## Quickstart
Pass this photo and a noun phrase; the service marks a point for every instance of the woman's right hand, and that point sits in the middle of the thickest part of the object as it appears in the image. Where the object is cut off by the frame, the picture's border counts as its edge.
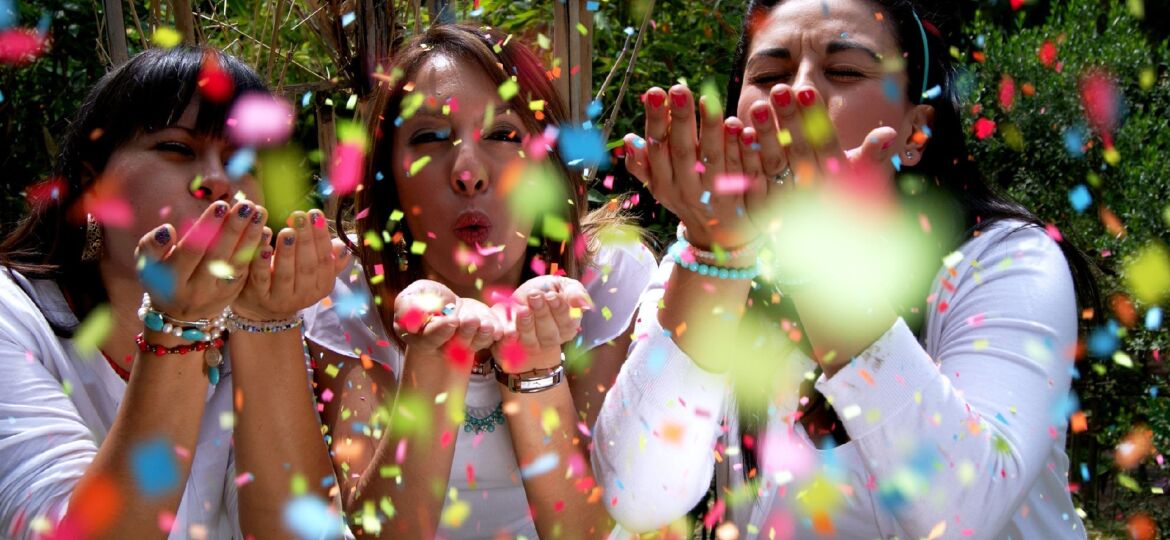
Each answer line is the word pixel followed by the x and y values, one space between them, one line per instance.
pixel 435 323
pixel 204 271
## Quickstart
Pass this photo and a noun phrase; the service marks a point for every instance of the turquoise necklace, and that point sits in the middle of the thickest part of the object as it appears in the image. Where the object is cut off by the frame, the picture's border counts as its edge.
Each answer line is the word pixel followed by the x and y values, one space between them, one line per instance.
pixel 487 423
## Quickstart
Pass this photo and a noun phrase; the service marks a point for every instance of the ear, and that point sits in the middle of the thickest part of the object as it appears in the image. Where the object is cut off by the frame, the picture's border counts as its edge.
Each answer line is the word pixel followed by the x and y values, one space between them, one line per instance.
pixel 917 124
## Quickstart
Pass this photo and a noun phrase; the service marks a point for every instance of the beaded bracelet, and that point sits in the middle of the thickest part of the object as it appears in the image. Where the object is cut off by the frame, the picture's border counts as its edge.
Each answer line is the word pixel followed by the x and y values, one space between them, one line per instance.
pixel 681 247
pixel 180 350
pixel 746 251
pixel 200 330
pixel 237 322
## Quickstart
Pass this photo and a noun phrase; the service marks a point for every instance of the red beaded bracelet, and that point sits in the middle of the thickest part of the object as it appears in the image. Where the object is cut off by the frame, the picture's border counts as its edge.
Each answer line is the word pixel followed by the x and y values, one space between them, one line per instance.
pixel 159 350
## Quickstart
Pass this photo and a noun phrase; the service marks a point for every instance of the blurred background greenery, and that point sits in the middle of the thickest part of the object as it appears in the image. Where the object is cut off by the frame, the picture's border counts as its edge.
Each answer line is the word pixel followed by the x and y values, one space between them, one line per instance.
pixel 1025 64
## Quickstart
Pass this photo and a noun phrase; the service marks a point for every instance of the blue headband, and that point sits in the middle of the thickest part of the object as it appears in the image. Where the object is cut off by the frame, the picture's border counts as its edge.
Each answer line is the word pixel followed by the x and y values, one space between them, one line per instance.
pixel 925 55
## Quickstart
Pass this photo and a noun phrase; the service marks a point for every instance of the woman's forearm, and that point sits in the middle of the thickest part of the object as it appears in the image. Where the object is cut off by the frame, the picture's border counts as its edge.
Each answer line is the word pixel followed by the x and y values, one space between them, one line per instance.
pixel 700 312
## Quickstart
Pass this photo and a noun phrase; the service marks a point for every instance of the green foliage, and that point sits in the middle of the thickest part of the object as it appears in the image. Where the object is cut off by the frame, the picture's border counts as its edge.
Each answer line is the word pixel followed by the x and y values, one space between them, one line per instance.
pixel 1039 170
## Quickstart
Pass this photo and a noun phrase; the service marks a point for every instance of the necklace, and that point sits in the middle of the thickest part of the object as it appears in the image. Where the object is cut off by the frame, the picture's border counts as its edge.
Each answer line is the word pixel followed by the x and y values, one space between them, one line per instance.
pixel 487 423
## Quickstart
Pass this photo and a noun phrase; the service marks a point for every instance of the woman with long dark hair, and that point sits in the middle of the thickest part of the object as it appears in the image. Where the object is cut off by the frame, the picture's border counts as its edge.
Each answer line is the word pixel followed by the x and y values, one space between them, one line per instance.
pixel 795 350
pixel 449 418
pixel 147 418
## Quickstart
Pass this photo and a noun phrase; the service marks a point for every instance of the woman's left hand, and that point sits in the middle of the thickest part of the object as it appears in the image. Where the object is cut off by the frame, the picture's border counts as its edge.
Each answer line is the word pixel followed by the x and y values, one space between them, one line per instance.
pixel 298 273
pixel 543 315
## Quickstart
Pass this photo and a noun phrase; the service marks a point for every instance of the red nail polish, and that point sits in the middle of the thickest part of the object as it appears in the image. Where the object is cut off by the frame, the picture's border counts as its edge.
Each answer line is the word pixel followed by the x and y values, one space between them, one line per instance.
pixel 748 139
pixel 806 97
pixel 656 99
pixel 760 115
pixel 783 99
pixel 732 130
pixel 678 99
pixel 629 149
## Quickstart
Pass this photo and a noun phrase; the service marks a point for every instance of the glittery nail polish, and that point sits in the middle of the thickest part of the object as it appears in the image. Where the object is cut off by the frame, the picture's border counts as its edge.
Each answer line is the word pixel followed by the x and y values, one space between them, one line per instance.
pixel 245 210
pixel 220 209
pixel 162 236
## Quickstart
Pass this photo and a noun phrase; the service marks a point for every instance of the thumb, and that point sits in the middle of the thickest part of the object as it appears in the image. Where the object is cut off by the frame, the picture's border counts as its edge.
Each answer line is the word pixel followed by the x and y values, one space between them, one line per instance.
pixel 157 278
pixel 875 150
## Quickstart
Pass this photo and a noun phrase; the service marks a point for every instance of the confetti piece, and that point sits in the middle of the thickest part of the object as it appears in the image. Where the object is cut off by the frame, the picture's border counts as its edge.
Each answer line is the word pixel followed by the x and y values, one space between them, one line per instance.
pixel 166 37
pixel 1080 198
pixel 284 179
pixel 1147 275
pixel 155 469
pixel 258 119
pixel 94 330
pixel 509 89
pixel 214 83
pixel 94 505
pixel 541 465
pixel 20 46
pixel 418 164
pixel 582 147
pixel 984 128
pixel 240 163
pixel 731 184
pixel 309 517
pixel 455 513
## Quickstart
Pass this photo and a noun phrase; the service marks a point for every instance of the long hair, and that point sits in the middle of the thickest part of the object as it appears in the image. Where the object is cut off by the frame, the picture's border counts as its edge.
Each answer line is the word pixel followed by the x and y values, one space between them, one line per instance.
pixel 500 57
pixel 146 94
pixel 946 168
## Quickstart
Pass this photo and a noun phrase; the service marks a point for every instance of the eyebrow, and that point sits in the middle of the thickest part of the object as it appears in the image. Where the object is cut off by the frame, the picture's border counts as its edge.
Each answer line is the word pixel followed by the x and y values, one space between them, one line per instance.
pixel 781 53
pixel 501 110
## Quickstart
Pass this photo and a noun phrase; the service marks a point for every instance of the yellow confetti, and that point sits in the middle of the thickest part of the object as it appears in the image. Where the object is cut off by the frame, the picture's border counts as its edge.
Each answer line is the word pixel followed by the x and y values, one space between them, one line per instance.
pixel 549 420
pixel 418 164
pixel 1147 78
pixel 166 37
pixel 418 247
pixel 543 41
pixel 818 129
pixel 93 330
pixel 509 89
pixel 221 269
pixel 784 137
pixel 455 513
pixel 1148 274
pixel 1112 156
pixel 581 28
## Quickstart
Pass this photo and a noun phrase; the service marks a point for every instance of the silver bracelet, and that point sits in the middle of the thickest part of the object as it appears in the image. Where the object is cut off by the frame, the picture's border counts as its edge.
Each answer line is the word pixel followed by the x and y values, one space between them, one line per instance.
pixel 237 323
pixel 533 381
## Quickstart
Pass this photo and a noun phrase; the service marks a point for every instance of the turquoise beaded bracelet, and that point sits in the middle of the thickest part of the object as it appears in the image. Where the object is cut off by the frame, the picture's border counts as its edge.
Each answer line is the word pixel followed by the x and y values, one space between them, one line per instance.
pixel 676 251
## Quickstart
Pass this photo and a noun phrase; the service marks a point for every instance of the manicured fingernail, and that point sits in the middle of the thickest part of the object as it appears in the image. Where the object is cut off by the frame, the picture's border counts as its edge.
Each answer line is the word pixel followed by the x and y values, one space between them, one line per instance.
pixel 264 237
pixel 782 99
pixel 314 218
pixel 288 240
pixel 629 149
pixel 266 254
pixel 299 221
pixel 732 130
pixel 655 99
pixel 678 99
pixel 245 210
pixel 220 209
pixel 257 218
pixel 162 236
pixel 536 302
pixel 760 115
pixel 748 138
pixel 806 97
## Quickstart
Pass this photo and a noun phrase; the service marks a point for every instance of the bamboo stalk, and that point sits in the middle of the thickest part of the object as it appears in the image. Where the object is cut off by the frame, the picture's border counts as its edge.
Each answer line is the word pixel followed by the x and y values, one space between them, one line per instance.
pixel 138 25
pixel 184 22
pixel 116 32
pixel 272 49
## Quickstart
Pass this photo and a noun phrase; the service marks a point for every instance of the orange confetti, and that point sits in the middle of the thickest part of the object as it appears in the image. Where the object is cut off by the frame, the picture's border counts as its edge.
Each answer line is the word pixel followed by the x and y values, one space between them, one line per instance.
pixel 1079 422
pixel 822 523
pixel 1111 222
pixel 672 432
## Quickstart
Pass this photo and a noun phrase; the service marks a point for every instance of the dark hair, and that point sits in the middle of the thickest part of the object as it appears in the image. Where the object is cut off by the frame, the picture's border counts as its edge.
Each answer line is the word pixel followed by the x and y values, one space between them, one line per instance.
pixel 500 57
pixel 145 94
pixel 946 168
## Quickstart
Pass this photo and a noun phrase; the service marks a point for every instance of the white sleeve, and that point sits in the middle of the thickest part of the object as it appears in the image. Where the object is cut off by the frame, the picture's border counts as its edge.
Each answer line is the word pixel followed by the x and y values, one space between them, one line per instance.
pixel 653 440
pixel 347 322
pixel 45 447
pixel 984 420
pixel 615 280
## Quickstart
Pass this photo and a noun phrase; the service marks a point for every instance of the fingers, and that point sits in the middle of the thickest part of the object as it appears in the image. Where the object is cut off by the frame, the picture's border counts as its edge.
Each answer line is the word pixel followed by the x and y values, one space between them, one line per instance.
pixel 190 250
pixel 341 256
pixel 637 158
pixel 248 249
pixel 479 327
pixel 711 145
pixel 306 257
pixel 260 271
pixel 749 153
pixel 819 132
pixel 875 150
pixel 732 156
pixel 437 331
pixel 157 278
pixel 764 118
pixel 319 232
pixel 546 333
pixel 284 271
pixel 683 141
pixel 798 151
pixel 233 227
pixel 661 174
pixel 155 244
pixel 566 324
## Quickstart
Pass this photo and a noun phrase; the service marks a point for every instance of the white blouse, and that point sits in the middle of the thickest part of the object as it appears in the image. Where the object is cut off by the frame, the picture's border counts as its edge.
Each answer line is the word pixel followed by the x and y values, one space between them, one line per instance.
pixel 960 435
pixel 350 325
pixel 56 407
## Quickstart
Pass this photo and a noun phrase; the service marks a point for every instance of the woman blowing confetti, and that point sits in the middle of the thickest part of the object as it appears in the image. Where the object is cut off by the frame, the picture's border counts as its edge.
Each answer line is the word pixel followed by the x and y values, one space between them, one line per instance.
pixel 447 417
pixel 802 344
pixel 122 414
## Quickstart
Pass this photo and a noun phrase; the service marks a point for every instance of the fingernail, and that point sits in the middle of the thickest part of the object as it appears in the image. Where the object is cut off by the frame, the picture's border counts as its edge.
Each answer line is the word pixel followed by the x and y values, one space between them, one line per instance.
pixel 536 302
pixel 266 254
pixel 760 115
pixel 314 218
pixel 732 130
pixel 806 97
pixel 288 240
pixel 245 210
pixel 629 149
pixel 264 237
pixel 782 99
pixel 299 221
pixel 656 99
pixel 678 99
pixel 748 138
pixel 553 299
pixel 162 236
pixel 257 218
pixel 220 209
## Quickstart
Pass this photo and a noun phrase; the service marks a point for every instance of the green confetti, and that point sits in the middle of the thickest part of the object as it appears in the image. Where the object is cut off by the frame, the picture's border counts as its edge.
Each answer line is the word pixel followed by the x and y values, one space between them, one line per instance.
pixel 1128 482
pixel 284 179
pixel 410 104
pixel 713 104
pixel 543 41
pixel 418 247
pixel 1148 274
pixel 331 370
pixel 581 28
pixel 555 228
pixel 509 89
pixel 419 164
pixel 373 240
pixel 94 330
pixel 606 312
pixel 396 215
pixel 298 485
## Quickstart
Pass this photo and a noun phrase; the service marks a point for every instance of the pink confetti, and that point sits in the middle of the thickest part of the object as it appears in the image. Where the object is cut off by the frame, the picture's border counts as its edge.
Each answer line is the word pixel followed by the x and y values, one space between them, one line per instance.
pixel 700 168
pixel 731 183
pixel 984 128
pixel 20 46
pixel 112 212
pixel 1053 232
pixel 327 395
pixel 400 452
pixel 608 182
pixel 346 167
pixel 244 478
pixel 260 120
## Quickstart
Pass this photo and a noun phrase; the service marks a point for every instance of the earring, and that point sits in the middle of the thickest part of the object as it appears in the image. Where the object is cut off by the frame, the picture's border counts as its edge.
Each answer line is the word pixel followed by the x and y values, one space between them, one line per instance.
pixel 401 255
pixel 909 154
pixel 93 240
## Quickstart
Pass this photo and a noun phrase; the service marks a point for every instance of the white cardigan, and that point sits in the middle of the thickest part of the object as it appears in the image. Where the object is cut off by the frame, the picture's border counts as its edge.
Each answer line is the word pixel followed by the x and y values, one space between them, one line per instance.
pixel 56 407
pixel 962 434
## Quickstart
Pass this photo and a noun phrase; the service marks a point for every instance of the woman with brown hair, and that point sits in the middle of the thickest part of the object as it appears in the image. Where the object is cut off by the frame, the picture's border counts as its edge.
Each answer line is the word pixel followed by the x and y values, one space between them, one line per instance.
pixel 143 428
pixel 448 417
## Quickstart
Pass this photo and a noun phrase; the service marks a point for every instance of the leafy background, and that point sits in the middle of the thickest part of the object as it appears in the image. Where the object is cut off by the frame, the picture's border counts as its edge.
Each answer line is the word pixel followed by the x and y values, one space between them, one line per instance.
pixel 1042 149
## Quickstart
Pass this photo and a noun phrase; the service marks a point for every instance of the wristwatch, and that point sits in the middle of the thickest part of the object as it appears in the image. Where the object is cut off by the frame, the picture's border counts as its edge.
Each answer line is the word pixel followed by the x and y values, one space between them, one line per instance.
pixel 533 381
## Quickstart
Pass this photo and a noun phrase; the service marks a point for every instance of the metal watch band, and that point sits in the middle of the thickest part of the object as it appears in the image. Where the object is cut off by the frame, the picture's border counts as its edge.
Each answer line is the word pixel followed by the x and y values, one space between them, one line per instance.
pixel 531 382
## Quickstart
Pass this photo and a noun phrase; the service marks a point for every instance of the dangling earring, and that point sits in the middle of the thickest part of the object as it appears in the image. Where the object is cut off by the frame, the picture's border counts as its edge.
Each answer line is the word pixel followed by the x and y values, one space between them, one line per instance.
pixel 909 154
pixel 93 240
pixel 401 255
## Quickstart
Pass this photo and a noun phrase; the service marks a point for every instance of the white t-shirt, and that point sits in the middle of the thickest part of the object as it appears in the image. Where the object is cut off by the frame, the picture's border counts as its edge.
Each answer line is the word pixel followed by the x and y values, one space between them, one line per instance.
pixel 56 407
pixel 351 325
pixel 962 433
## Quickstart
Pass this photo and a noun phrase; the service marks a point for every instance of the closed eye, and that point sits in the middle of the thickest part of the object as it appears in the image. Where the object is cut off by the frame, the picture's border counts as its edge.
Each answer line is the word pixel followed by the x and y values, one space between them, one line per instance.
pixel 504 134
pixel 430 136
pixel 175 147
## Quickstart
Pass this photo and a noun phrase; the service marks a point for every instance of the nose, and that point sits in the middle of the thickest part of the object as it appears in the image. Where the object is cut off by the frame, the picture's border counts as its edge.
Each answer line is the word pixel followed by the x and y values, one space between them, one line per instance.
pixel 469 177
pixel 805 76
pixel 212 183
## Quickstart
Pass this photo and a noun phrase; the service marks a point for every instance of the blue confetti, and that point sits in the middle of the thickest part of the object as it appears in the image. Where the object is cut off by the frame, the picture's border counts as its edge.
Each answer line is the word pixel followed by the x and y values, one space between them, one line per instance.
pixel 1080 198
pixel 378 176
pixel 933 92
pixel 629 31
pixel 351 304
pixel 43 24
pixel 1154 318
pixel 1 97
pixel 890 88
pixel 348 18
pixel 240 163
pixel 1084 471
pixel 656 360
pixel 594 109
pixel 583 146
pixel 155 469
pixel 705 198
pixel 1074 141
pixel 309 517
pixel 541 465
pixel 897 161
pixel 305 98
pixel 1103 340
pixel 158 279
pixel 592 6
pixel 7 14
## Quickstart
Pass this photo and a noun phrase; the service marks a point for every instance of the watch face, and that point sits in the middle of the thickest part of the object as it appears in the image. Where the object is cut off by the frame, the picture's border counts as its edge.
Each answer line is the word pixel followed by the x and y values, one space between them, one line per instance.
pixel 536 384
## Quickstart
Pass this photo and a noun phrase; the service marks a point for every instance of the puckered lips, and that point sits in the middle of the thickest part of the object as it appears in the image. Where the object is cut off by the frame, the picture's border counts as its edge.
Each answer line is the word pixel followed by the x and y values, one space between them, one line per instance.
pixel 473 227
